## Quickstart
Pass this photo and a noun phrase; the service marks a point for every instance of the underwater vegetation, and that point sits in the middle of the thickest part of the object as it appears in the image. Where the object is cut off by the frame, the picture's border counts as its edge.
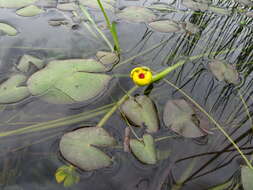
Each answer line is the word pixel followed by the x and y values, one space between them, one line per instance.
pixel 106 94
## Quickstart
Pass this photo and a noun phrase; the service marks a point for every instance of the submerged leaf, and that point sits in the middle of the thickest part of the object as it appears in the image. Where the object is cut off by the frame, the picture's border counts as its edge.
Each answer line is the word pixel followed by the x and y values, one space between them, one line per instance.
pixel 80 147
pixel 247 178
pixel 67 6
pixel 180 117
pixel 224 71
pixel 141 112
pixel 161 7
pixel 165 26
pixel 144 150
pixel 69 81
pixel 29 11
pixel 8 29
pixel 16 3
pixel 136 14
pixel 27 60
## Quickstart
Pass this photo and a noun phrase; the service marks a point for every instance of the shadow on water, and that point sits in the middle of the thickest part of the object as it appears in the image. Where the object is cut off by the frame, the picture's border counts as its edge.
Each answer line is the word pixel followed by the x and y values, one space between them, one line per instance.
pixel 30 158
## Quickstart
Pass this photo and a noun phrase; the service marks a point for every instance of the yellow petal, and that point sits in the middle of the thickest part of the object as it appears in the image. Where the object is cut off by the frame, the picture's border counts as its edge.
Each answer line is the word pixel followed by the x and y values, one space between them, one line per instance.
pixel 60 176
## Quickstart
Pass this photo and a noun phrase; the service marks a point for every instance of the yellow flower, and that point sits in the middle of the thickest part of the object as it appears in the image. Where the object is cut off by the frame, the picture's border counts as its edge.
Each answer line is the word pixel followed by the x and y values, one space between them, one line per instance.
pixel 67 175
pixel 141 76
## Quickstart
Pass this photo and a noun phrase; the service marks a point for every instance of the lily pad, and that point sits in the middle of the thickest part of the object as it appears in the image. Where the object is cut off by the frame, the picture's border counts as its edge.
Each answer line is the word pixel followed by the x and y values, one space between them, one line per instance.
pixel 165 26
pixel 29 11
pixel 224 71
pixel 107 58
pixel 81 148
pixel 247 176
pixel 27 60
pixel 136 14
pixel 11 90
pixel 195 5
pixel 219 10
pixel 16 3
pixel 69 81
pixel 144 150
pixel 67 6
pixel 141 112
pixel 8 29
pixel 107 4
pixel 180 117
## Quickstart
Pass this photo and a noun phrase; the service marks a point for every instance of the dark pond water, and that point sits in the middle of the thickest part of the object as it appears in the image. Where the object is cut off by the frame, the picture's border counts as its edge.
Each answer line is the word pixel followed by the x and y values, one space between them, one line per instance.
pixel 31 156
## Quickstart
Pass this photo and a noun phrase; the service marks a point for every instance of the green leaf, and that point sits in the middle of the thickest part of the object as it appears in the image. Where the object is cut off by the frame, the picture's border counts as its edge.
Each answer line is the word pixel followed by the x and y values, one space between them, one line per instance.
pixel 107 4
pixel 141 112
pixel 15 3
pixel 8 29
pixel 107 58
pixel 145 151
pixel 69 81
pixel 80 147
pixel 180 117
pixel 165 26
pixel 67 175
pixel 224 71
pixel 29 11
pixel 136 14
pixel 247 178
pixel 27 60
pixel 11 91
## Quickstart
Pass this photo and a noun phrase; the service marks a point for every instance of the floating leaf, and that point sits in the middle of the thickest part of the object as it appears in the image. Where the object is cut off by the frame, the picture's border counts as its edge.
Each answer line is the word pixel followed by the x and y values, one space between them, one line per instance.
pixel 69 81
pixel 11 90
pixel 180 117
pixel 141 112
pixel 195 5
pixel 80 147
pixel 107 4
pixel 107 58
pixel 27 60
pixel 29 11
pixel 67 6
pixel 144 150
pixel 8 29
pixel 165 26
pixel 67 175
pixel 245 2
pixel 136 14
pixel 247 176
pixel 224 71
pixel 16 3
pixel 58 22
pixel 161 7
pixel 219 10
pixel 249 14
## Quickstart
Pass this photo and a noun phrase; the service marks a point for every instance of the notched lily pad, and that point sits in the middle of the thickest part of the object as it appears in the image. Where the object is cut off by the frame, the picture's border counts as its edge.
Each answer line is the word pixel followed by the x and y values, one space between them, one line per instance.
pixel 141 111
pixel 247 176
pixel 15 3
pixel 81 148
pixel 144 150
pixel 107 4
pixel 180 117
pixel 219 10
pixel 11 90
pixel 107 58
pixel 195 5
pixel 136 14
pixel 8 29
pixel 29 11
pixel 224 71
pixel 165 26
pixel 69 81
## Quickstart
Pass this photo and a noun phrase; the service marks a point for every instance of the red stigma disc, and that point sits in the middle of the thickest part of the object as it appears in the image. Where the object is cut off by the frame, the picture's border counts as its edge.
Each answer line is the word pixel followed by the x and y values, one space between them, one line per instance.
pixel 141 75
